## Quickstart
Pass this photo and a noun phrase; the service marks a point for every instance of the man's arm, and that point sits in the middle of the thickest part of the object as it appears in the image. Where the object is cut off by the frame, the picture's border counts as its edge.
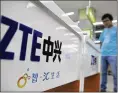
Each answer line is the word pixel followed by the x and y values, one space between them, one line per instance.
pixel 101 38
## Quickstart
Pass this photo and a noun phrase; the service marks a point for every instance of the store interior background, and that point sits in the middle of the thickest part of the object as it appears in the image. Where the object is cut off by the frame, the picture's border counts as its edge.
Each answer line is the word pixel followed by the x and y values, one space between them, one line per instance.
pixel 73 8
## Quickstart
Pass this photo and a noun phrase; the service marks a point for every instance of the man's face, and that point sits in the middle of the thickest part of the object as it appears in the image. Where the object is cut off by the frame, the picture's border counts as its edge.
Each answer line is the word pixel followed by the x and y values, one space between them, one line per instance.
pixel 107 22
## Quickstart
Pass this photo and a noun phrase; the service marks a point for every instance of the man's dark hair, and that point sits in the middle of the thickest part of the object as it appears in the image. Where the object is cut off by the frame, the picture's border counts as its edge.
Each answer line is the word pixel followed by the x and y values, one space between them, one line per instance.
pixel 107 16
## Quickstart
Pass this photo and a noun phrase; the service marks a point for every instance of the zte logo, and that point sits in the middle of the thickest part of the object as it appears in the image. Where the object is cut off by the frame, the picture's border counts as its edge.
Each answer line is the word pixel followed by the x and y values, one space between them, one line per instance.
pixel 13 27
pixel 93 60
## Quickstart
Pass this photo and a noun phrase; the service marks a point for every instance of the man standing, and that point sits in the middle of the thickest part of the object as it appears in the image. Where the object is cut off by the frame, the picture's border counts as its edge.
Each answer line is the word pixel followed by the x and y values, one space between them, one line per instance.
pixel 108 51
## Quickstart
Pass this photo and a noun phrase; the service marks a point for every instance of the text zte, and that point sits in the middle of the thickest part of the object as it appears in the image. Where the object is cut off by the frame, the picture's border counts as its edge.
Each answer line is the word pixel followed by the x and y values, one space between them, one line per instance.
pixel 13 26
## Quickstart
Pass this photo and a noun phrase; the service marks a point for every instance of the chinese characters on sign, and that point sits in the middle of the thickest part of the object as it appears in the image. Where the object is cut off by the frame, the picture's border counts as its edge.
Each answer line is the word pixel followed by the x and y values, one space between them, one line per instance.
pixel 57 51
pixel 35 77
pixel 48 49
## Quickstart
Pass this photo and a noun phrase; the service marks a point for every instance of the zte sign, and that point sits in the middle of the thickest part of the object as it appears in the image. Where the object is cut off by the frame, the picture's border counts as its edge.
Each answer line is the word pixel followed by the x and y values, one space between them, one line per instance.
pixel 13 28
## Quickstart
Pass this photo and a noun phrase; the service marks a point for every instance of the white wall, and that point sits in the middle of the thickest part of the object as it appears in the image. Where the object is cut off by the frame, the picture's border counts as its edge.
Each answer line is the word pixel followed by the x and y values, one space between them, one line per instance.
pixel 38 19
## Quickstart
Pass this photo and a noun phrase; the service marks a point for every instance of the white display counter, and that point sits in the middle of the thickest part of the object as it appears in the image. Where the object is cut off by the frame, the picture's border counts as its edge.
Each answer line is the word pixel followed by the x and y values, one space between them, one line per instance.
pixel 40 49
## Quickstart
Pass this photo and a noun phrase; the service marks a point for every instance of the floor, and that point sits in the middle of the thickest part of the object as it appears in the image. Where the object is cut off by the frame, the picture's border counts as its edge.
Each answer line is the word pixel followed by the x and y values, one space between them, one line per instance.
pixel 110 83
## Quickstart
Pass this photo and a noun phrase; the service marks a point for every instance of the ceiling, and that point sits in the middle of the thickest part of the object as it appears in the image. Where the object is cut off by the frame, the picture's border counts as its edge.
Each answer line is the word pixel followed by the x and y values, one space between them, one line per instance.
pixel 101 7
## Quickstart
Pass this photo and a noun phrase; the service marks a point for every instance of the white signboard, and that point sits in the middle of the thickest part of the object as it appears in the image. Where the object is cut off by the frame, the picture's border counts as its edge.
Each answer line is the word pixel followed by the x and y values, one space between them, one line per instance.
pixel 37 52
pixel 93 60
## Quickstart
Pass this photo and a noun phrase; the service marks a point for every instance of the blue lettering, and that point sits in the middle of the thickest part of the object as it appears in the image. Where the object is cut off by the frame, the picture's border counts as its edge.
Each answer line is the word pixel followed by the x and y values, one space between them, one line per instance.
pixel 26 30
pixel 7 38
pixel 13 25
pixel 35 45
